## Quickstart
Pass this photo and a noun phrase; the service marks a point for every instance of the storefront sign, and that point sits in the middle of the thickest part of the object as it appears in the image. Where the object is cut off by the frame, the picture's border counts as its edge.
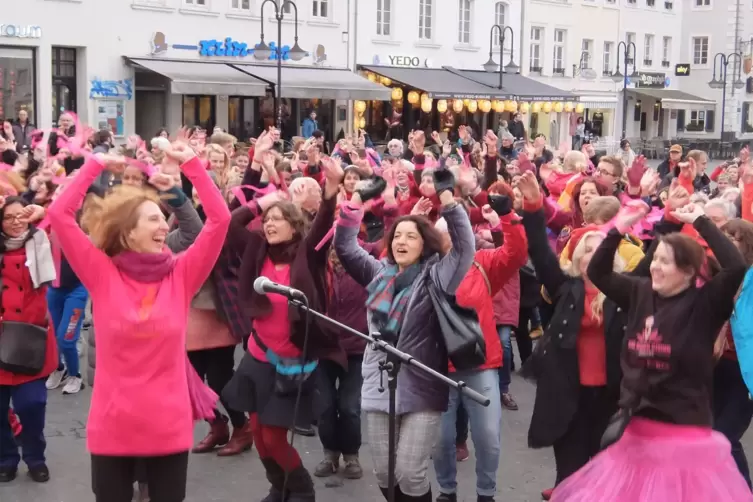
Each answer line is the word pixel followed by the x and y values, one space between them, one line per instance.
pixel 18 31
pixel 111 88
pixel 403 61
pixel 682 70
pixel 212 48
pixel 651 80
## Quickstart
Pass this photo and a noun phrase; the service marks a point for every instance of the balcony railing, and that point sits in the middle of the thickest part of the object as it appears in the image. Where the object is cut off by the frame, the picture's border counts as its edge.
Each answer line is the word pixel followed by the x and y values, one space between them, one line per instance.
pixel 665 64
pixel 647 62
pixel 558 71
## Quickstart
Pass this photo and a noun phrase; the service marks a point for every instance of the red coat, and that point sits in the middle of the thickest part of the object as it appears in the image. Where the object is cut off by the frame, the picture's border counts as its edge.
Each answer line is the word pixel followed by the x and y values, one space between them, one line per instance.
pixel 22 303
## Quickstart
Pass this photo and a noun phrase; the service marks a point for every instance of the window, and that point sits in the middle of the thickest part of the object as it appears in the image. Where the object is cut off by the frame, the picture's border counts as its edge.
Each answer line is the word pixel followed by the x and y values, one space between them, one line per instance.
pixel 650 3
pixel 697 121
pixel 383 15
pixel 586 50
pixel 558 60
pixel 241 4
pixel 666 51
pixel 700 50
pixel 499 18
pixel 630 39
pixel 18 82
pixel 464 21
pixel 648 50
pixel 702 3
pixel 537 35
pixel 63 80
pixel 320 8
pixel 195 3
pixel 632 2
pixel 607 69
pixel 424 19
pixel 287 9
pixel 668 5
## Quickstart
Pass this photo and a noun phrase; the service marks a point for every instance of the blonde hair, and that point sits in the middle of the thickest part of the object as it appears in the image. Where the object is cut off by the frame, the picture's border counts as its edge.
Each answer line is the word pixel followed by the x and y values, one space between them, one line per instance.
pixel 602 208
pixel 222 138
pixel 574 162
pixel 573 270
pixel 109 220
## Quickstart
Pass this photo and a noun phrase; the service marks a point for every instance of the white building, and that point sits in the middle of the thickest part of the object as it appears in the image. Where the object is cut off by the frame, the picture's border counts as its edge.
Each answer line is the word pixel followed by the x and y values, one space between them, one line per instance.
pixel 137 65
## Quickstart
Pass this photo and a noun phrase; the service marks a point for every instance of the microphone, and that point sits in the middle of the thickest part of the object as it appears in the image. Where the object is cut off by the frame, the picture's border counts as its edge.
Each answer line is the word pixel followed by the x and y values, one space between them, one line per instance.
pixel 264 286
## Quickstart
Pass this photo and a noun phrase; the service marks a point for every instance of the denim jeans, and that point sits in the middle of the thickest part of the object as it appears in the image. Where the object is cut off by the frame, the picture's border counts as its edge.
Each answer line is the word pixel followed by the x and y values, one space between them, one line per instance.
pixel 733 409
pixel 485 433
pixel 340 397
pixel 67 308
pixel 504 371
pixel 30 404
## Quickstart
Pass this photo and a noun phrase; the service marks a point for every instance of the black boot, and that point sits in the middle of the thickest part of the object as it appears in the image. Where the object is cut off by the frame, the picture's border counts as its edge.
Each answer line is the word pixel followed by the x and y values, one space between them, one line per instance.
pixel 276 477
pixel 399 496
pixel 300 486
pixel 423 498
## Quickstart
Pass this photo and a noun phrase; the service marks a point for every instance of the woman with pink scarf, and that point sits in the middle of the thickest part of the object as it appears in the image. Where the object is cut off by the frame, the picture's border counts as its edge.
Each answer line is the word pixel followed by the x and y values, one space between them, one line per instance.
pixel 146 398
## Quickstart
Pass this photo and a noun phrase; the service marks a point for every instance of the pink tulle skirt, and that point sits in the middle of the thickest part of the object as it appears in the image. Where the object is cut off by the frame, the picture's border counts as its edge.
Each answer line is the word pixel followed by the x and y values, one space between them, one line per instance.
pixel 659 462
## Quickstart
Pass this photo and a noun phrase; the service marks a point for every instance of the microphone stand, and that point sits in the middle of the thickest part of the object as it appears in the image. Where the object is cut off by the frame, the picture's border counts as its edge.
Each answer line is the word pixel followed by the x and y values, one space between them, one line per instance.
pixel 391 366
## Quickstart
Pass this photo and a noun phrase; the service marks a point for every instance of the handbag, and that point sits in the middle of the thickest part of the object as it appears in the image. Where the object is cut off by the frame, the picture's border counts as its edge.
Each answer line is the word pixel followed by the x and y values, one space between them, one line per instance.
pixel 460 329
pixel 290 373
pixel 23 347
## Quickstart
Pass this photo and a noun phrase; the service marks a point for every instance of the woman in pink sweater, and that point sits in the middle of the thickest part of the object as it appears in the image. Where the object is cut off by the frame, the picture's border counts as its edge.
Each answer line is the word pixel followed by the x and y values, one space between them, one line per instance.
pixel 141 407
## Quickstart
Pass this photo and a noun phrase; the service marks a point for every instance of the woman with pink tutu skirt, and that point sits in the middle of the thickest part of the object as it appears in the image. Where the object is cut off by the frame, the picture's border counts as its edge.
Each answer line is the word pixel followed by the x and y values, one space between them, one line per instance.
pixel 663 446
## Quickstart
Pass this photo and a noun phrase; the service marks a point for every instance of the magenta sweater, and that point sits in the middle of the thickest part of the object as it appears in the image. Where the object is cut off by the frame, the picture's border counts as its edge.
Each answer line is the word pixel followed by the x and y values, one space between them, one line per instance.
pixel 140 405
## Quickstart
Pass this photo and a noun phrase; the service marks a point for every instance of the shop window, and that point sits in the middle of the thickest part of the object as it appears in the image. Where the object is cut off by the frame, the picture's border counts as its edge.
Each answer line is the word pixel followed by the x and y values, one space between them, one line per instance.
pixel 63 81
pixel 268 116
pixel 697 121
pixel 241 117
pixel 17 82
pixel 199 111
pixel 325 115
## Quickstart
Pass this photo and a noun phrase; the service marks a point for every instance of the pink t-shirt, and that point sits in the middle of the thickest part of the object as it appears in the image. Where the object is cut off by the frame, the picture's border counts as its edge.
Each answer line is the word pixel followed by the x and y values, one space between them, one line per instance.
pixel 274 329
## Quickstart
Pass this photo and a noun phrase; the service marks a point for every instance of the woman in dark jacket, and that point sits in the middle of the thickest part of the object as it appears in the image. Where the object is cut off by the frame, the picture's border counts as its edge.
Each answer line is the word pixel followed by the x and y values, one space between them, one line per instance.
pixel 285 253
pixel 576 364
pixel 27 269
pixel 399 307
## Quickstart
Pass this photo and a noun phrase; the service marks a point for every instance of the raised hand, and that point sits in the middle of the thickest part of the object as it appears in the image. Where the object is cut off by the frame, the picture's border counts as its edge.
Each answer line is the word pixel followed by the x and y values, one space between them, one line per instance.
pixel 333 171
pixel 529 187
pixel 745 154
pixel 436 138
pixel 371 188
pixel 162 182
pixel 678 196
pixel 649 183
pixel 418 143
pixel 501 204
pixel 490 142
pixel 32 213
pixel 636 171
pixel 688 213
pixel 444 181
pixel 630 214
pixel 490 215
pixel 422 207
pixel 180 152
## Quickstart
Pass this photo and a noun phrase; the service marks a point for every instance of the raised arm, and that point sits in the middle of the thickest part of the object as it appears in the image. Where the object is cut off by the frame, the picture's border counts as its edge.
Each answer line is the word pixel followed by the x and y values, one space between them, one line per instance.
pixel 510 255
pixel 616 286
pixel 356 261
pixel 89 263
pixel 189 223
pixel 198 260
pixel 452 268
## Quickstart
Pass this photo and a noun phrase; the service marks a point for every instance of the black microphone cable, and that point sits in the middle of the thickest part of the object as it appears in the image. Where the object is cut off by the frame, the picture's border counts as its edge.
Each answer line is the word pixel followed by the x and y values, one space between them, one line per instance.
pixel 296 407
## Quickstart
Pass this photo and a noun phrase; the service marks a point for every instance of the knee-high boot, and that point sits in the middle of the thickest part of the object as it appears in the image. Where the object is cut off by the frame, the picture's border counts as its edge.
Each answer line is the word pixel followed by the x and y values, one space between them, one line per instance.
pixel 276 477
pixel 300 487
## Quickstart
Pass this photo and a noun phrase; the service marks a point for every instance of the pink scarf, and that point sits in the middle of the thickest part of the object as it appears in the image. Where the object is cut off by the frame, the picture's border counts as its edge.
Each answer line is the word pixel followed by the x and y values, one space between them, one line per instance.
pixel 154 267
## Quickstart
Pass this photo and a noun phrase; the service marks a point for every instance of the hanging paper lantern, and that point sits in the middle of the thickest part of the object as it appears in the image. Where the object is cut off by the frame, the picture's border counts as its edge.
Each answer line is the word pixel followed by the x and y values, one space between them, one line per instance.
pixel 536 108
pixel 425 97
pixel 524 107
pixel 473 106
pixel 547 107
pixel 386 81
pixel 579 108
pixel 442 105
pixel 397 94
pixel 568 107
pixel 559 106
pixel 457 105
pixel 499 106
pixel 413 97
pixel 426 105
pixel 371 77
pixel 362 123
pixel 360 106
pixel 485 105
pixel 512 106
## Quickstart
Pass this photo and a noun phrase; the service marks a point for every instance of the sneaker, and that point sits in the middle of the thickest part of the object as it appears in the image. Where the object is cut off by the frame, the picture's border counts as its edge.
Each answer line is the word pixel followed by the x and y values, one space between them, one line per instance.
pixel 461 452
pixel 73 385
pixel 508 402
pixel 56 379
pixel 447 497
pixel 39 473
pixel 352 469
pixel 328 466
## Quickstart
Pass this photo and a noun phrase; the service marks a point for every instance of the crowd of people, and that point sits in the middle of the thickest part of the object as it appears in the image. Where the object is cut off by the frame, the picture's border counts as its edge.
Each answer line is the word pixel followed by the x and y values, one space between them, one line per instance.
pixel 618 281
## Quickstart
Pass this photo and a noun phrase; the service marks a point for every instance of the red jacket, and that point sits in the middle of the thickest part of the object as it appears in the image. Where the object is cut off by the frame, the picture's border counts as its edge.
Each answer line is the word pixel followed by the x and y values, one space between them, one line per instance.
pixel 22 303
pixel 500 264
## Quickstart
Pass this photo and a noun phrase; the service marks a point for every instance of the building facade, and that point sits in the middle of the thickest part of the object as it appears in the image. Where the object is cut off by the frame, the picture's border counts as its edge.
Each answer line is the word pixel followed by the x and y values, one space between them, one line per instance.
pixel 145 64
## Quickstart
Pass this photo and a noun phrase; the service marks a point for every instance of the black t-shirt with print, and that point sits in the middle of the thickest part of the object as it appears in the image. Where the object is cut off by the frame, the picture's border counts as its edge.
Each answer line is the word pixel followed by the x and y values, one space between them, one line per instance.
pixel 667 353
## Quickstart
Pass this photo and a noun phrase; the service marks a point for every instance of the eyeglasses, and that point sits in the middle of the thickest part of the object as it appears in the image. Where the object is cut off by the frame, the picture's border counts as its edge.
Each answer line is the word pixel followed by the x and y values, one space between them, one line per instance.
pixel 604 172
pixel 12 217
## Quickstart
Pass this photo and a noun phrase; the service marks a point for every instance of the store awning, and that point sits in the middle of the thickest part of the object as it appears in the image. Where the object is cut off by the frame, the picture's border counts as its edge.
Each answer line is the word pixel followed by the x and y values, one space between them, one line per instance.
pixel 674 100
pixel 193 77
pixel 439 83
pixel 521 88
pixel 322 83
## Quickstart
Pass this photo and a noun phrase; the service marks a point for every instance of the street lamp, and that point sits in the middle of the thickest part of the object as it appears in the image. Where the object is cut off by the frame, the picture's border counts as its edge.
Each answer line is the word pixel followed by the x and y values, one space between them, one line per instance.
pixel 262 51
pixel 722 82
pixel 617 76
pixel 490 66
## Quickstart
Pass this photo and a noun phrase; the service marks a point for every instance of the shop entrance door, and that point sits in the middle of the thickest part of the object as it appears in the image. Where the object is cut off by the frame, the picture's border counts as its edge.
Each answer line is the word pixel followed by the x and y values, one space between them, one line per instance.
pixel 199 111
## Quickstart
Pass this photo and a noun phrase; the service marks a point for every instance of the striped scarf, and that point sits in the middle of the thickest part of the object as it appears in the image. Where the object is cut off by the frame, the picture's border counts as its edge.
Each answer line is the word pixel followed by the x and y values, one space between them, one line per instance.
pixel 389 294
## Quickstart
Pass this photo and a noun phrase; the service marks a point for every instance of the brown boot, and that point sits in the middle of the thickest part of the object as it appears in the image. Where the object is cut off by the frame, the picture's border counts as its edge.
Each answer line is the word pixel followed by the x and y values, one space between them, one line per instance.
pixel 241 441
pixel 219 435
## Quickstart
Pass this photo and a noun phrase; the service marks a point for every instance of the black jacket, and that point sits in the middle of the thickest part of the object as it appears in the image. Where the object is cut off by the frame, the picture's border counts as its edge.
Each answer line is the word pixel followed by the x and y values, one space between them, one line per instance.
pixel 554 363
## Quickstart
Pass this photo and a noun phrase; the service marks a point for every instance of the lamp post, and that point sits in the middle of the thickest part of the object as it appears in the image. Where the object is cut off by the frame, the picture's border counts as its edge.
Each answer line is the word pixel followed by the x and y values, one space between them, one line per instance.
pixel 490 66
pixel 722 82
pixel 262 51
pixel 617 76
